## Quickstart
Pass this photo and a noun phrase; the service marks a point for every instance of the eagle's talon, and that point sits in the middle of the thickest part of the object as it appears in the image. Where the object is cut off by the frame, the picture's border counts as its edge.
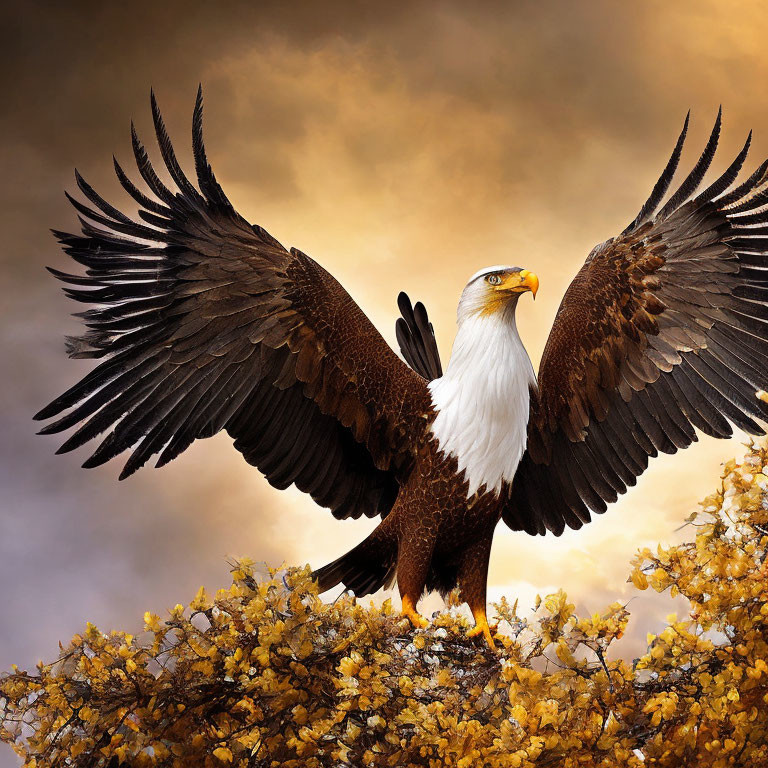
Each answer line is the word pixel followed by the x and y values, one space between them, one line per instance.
pixel 410 612
pixel 485 631
pixel 482 627
pixel 418 621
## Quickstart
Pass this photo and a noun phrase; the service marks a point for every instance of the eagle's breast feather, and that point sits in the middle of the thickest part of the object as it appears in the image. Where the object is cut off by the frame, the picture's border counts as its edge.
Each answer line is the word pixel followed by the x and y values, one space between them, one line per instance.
pixel 482 401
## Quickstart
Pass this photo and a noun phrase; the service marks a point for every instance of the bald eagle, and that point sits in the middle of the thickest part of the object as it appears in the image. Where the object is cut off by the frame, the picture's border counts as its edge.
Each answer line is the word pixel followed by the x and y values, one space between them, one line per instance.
pixel 203 322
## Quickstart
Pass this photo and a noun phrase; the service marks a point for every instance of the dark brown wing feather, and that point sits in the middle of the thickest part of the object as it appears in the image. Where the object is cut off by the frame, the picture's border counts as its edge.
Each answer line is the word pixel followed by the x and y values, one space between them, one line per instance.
pixel 204 322
pixel 416 338
pixel 662 332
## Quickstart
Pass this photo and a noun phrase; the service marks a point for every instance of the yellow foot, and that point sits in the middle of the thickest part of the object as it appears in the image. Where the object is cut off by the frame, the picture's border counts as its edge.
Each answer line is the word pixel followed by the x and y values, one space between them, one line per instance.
pixel 409 610
pixel 483 628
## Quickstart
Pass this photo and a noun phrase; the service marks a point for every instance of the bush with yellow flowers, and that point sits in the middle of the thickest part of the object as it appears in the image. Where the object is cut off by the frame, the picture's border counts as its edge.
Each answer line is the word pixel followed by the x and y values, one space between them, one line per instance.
pixel 266 674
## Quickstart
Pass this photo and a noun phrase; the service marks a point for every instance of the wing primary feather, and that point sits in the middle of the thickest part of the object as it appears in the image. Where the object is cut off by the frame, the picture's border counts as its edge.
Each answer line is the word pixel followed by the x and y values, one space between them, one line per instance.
pixel 416 338
pixel 624 443
pixel 753 182
pixel 159 435
pixel 581 496
pixel 546 503
pixel 707 398
pixel 99 201
pixel 654 404
pixel 427 334
pixel 646 417
pixel 733 385
pixel 692 181
pixel 678 426
pixel 641 447
pixel 732 359
pixel 129 430
pixel 709 384
pixel 729 176
pixel 205 176
pixel 169 156
pixel 740 334
pixel 609 456
pixel 194 427
pixel 103 396
pixel 147 171
pixel 164 430
pixel 564 464
pixel 95 379
pixel 756 200
pixel 294 458
pixel 596 461
pixel 136 193
pixel 413 349
pixel 116 409
pixel 131 228
pixel 697 409
pixel 662 185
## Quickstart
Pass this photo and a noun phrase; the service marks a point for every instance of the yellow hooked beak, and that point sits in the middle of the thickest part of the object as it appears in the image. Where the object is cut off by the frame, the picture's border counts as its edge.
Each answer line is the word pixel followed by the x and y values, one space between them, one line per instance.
pixel 519 282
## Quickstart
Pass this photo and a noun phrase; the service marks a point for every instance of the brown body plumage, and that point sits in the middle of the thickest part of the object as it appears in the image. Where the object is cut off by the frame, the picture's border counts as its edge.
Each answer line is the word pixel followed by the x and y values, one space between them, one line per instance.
pixel 204 323
pixel 435 538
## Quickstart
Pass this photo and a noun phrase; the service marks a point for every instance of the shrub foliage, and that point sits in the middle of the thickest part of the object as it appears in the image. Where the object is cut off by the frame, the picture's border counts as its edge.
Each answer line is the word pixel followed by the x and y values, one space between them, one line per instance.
pixel 266 674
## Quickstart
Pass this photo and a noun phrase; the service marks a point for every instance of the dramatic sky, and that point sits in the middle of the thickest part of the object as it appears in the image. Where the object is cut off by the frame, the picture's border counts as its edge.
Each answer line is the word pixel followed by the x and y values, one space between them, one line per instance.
pixel 403 146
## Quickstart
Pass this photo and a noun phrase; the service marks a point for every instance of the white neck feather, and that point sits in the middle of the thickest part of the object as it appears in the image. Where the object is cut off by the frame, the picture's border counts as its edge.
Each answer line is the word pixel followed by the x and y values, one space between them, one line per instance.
pixel 482 400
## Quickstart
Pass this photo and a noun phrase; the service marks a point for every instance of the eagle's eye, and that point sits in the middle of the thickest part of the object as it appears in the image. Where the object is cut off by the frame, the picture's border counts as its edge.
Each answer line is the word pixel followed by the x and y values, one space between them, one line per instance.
pixel 494 279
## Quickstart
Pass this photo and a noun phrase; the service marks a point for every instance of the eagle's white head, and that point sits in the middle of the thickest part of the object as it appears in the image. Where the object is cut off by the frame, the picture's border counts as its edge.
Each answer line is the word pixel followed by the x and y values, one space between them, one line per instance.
pixel 495 289
pixel 482 400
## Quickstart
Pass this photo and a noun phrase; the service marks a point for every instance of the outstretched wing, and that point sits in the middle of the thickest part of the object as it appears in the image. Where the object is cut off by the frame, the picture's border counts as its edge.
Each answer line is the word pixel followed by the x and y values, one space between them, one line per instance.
pixel 663 331
pixel 416 338
pixel 204 322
